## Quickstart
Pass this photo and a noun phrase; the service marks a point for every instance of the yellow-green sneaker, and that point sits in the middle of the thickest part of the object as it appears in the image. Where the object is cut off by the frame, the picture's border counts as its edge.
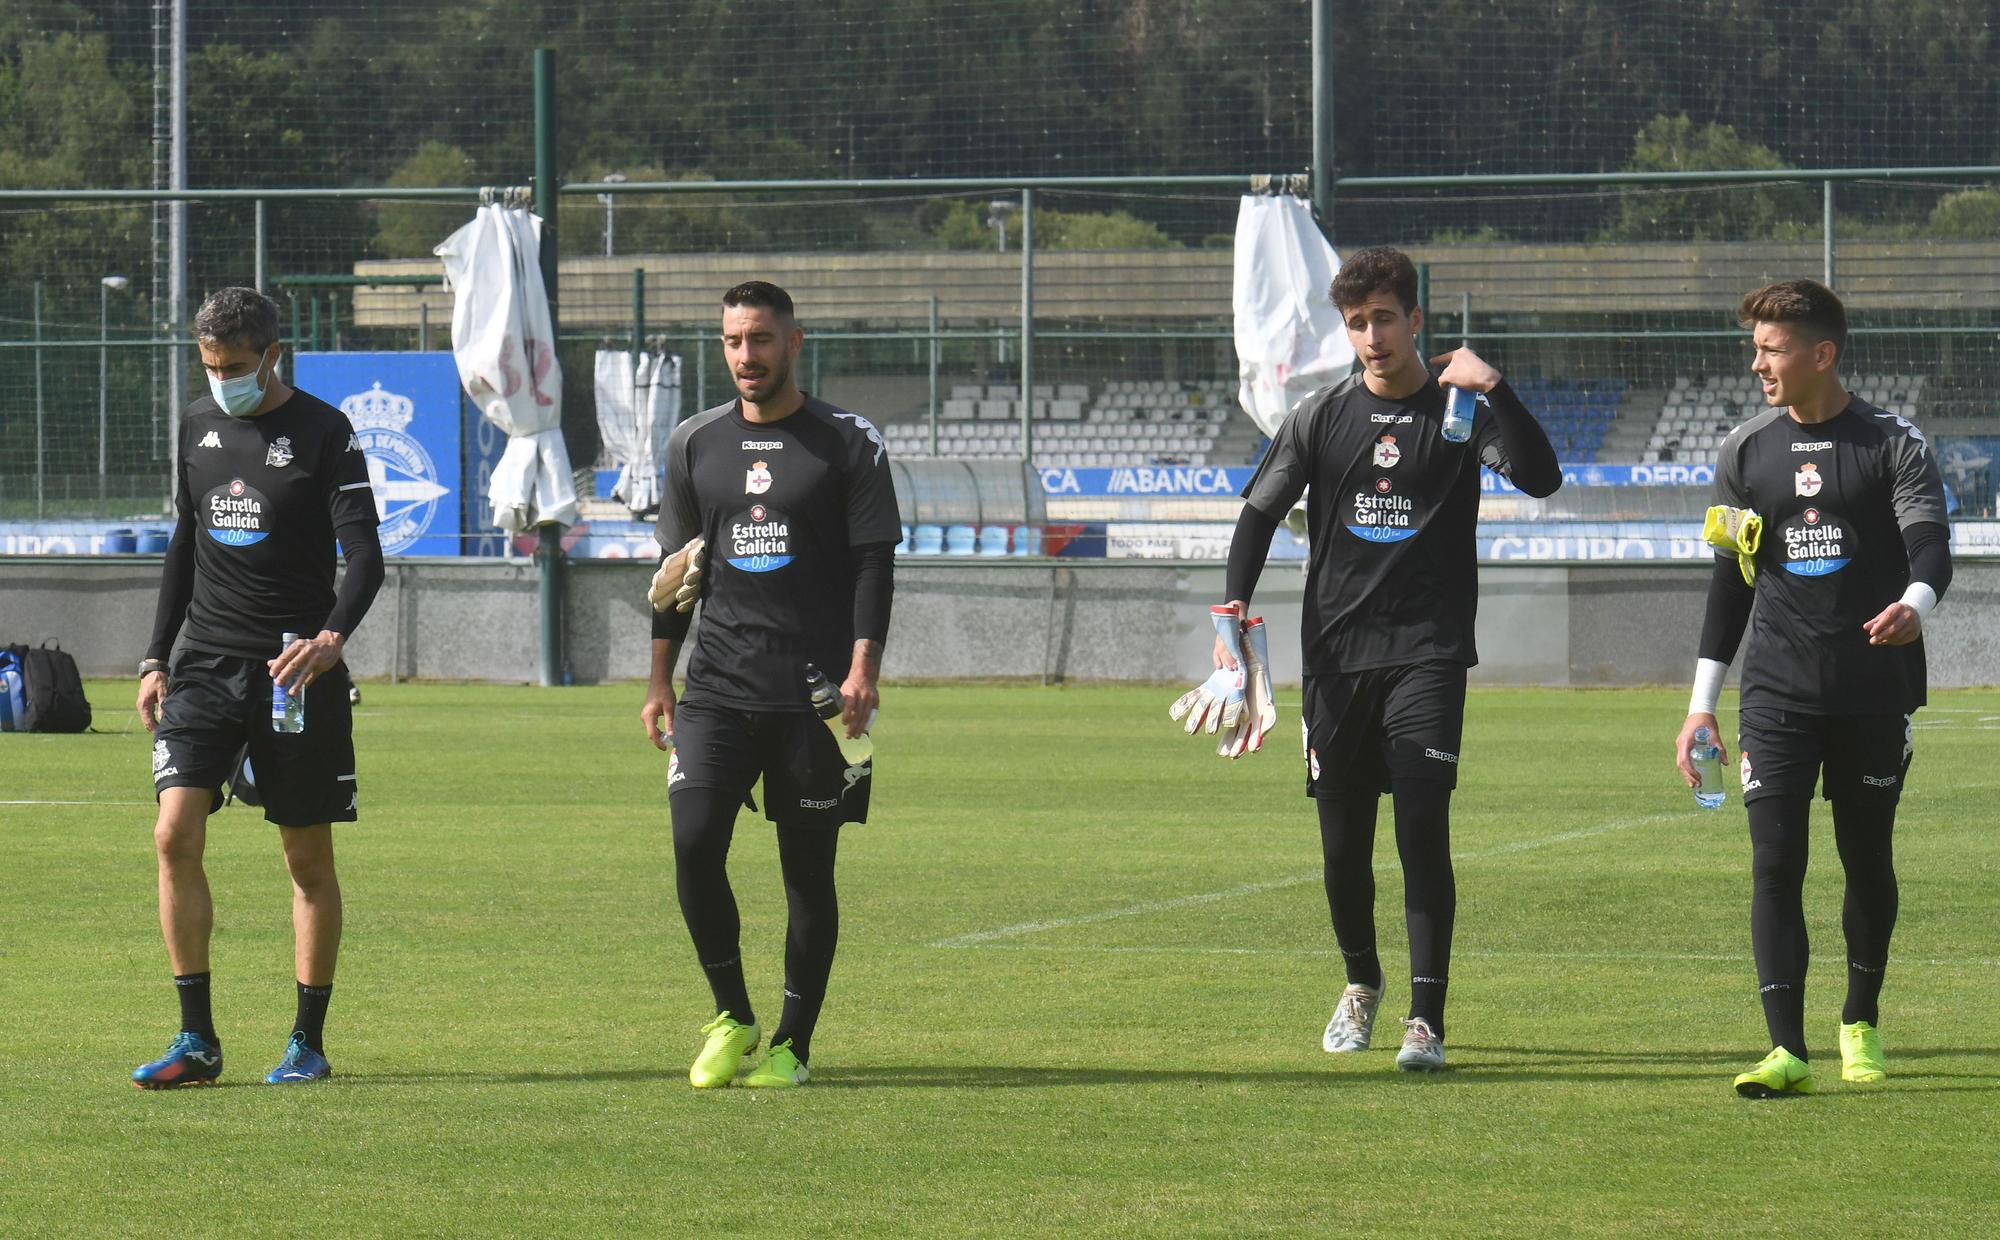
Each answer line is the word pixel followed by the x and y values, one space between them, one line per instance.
pixel 781 1069
pixel 1780 1073
pixel 1861 1054
pixel 726 1042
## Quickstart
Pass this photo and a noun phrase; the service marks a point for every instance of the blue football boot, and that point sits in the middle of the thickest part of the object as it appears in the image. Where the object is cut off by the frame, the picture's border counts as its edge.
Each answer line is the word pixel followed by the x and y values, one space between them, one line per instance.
pixel 191 1060
pixel 301 1064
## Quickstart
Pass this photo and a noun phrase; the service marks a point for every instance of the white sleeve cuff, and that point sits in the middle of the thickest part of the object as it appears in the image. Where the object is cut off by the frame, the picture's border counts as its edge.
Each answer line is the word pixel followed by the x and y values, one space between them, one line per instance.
pixel 1708 676
pixel 1921 598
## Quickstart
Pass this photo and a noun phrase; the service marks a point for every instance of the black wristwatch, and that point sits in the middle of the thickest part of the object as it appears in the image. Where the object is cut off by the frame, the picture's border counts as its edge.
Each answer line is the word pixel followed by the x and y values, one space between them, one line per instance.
pixel 148 666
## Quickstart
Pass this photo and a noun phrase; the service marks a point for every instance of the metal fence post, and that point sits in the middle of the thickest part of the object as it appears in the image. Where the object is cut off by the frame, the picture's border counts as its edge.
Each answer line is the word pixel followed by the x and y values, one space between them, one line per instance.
pixel 1322 106
pixel 260 245
pixel 1827 212
pixel 934 374
pixel 41 447
pixel 1424 304
pixel 548 548
pixel 1027 325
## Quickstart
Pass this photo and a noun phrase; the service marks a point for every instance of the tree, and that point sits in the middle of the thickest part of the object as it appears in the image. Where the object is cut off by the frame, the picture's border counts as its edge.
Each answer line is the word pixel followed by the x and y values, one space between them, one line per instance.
pixel 415 229
pixel 1704 212
pixel 1969 214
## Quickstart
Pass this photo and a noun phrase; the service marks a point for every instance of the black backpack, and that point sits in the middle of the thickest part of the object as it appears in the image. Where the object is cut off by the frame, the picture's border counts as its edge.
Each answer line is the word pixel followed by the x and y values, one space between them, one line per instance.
pixel 52 688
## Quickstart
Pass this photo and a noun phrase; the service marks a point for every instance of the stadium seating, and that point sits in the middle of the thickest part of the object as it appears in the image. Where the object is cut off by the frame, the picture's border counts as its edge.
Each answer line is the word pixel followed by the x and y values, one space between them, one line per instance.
pixel 1131 422
pixel 1700 412
pixel 1576 413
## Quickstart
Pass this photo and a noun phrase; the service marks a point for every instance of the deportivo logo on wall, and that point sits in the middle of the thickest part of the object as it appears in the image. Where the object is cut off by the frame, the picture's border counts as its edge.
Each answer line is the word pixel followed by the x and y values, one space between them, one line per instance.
pixel 234 514
pixel 1383 517
pixel 760 540
pixel 1815 544
pixel 400 472
pixel 758 479
pixel 1807 481
pixel 279 454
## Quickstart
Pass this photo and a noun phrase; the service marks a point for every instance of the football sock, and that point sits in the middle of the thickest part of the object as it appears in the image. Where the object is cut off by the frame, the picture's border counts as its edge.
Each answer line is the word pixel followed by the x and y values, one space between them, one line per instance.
pixel 1863 832
pixel 704 822
pixel 196 1016
pixel 311 1020
pixel 1430 892
pixel 1347 845
pixel 1778 837
pixel 812 929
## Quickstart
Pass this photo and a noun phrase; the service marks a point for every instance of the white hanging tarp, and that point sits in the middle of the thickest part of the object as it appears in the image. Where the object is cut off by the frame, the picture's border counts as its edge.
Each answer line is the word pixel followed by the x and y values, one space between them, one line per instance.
pixel 635 431
pixel 504 344
pixel 1289 338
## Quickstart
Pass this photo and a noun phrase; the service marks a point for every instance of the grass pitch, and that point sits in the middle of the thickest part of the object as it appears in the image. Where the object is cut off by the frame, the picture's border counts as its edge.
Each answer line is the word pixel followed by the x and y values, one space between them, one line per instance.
pixel 1083 971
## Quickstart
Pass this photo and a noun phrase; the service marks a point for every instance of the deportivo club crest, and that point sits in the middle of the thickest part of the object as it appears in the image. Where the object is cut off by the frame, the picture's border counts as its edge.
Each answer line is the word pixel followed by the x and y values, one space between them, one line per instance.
pixel 1807 482
pixel 400 471
pixel 279 454
pixel 758 480
pixel 1386 452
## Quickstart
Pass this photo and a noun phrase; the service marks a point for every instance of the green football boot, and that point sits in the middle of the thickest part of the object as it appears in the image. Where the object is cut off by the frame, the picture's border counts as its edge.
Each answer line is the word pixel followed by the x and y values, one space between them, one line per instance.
pixel 1780 1073
pixel 781 1069
pixel 726 1042
pixel 1861 1054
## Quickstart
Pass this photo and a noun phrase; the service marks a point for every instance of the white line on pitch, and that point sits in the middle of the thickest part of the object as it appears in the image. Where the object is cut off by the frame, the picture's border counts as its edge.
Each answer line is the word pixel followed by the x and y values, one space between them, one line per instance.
pixel 977 937
pixel 75 802
pixel 1742 957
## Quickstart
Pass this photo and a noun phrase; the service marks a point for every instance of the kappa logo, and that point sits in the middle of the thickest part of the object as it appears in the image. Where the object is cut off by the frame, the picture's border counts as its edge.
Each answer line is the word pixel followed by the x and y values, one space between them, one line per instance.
pixel 809 803
pixel 1823 445
pixel 1441 756
pixel 211 440
pixel 279 454
pixel 853 775
pixel 1879 781
pixel 763 445
pixel 758 479
pixel 868 429
pixel 1807 482
pixel 353 443
pixel 1387 454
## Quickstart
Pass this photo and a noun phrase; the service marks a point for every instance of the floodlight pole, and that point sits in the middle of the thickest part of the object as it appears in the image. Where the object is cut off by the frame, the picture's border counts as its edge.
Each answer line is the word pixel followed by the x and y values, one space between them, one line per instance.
pixel 548 547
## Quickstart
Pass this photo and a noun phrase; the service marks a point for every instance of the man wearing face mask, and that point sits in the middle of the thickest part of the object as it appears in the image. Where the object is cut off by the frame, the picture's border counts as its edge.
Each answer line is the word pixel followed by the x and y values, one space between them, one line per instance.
pixel 269 478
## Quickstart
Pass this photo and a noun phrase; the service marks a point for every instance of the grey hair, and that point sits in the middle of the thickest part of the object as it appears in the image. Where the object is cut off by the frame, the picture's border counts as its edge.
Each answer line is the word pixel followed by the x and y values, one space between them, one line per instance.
pixel 240 316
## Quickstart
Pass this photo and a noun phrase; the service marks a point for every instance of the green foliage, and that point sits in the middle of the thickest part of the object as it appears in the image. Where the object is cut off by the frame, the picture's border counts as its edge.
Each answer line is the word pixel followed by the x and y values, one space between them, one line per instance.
pixel 1969 214
pixel 415 229
pixel 962 225
pixel 1701 212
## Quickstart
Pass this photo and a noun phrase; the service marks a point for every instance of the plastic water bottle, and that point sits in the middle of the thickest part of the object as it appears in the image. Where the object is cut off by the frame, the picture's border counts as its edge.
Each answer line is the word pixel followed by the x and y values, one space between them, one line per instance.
pixel 826 703
pixel 1460 404
pixel 1707 762
pixel 288 709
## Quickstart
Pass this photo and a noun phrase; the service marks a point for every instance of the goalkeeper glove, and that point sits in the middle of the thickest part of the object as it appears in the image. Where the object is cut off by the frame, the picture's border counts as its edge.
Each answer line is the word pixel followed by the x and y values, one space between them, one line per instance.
pixel 1736 530
pixel 1261 702
pixel 678 583
pixel 1217 703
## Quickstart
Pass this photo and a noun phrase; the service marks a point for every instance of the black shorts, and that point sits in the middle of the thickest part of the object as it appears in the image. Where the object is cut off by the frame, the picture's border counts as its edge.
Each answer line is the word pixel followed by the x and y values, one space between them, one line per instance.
pixel 218 703
pixel 1785 752
pixel 807 781
pixel 1365 730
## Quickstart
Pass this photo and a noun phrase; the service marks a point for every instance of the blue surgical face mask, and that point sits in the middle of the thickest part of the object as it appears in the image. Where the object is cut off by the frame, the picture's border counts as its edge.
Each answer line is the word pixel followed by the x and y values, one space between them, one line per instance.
pixel 239 397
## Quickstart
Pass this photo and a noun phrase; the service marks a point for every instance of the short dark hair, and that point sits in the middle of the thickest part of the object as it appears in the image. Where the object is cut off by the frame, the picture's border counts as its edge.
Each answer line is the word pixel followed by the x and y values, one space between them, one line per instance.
pixel 238 315
pixel 764 295
pixel 1800 303
pixel 1377 270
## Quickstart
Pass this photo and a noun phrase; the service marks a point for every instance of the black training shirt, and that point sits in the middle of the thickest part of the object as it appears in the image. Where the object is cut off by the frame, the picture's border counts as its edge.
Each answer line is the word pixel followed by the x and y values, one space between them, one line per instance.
pixel 781 504
pixel 260 501
pixel 1835 497
pixel 1392 574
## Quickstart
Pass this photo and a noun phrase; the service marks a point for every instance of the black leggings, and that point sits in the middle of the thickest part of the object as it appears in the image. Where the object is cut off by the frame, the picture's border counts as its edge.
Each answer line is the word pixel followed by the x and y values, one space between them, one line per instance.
pixel 1430 890
pixel 704 823
pixel 1863 833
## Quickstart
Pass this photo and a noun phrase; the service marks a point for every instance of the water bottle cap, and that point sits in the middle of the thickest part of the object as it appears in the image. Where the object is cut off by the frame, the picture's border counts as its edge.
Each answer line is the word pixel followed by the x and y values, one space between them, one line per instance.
pixel 1701 735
